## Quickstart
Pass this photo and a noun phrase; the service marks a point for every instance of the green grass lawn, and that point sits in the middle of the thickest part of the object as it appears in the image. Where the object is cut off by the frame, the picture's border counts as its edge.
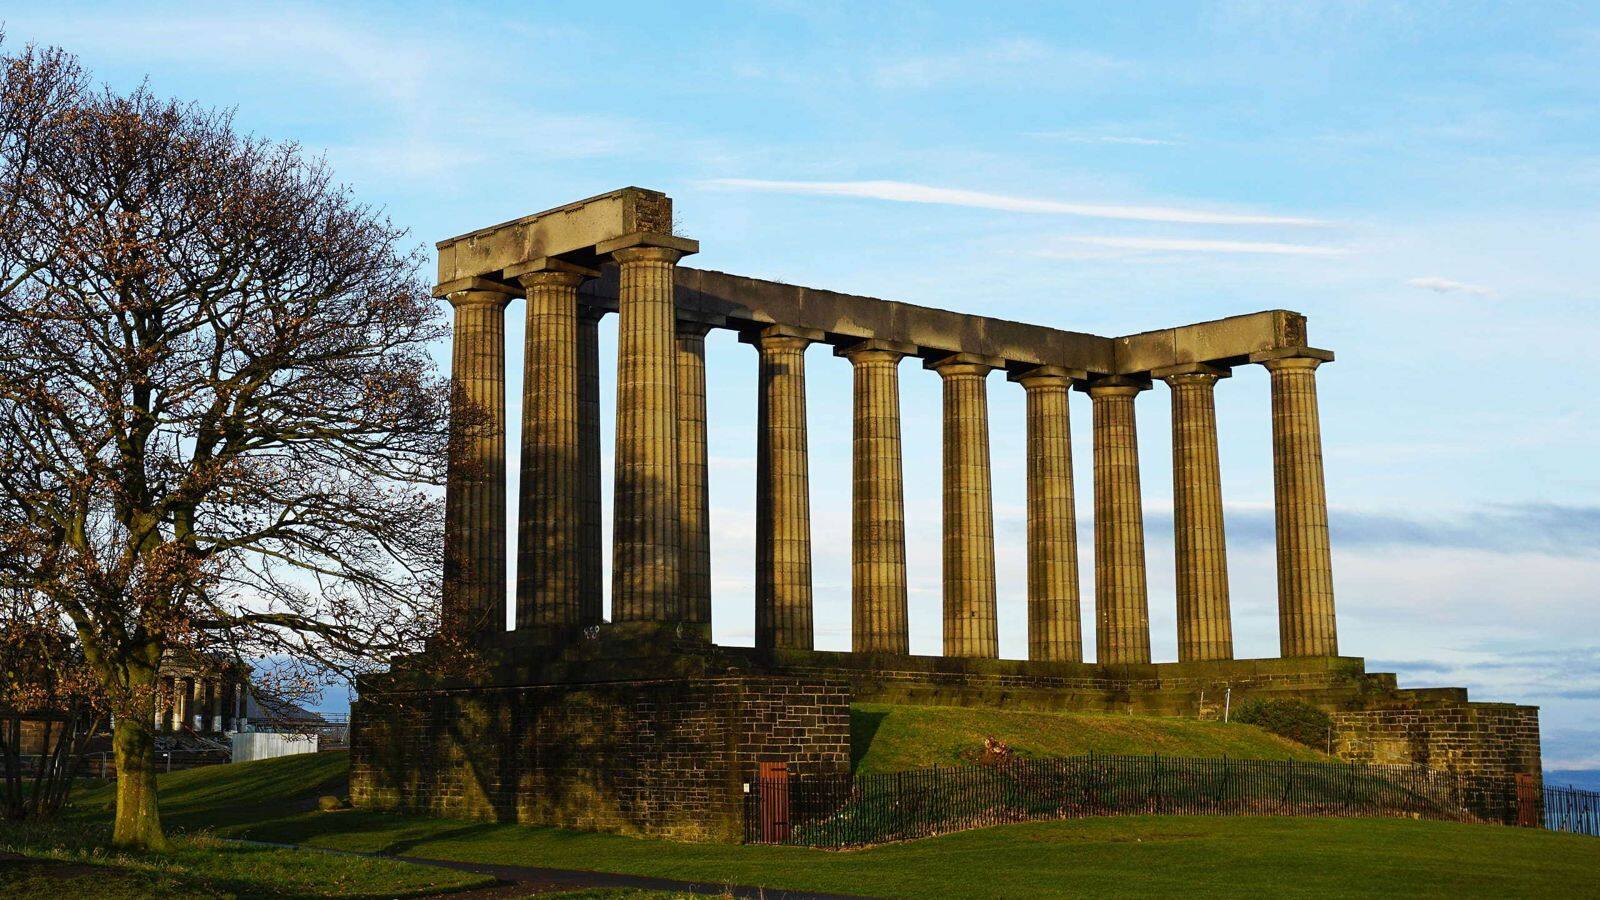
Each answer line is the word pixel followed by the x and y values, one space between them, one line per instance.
pixel 70 859
pixel 1132 856
pixel 894 738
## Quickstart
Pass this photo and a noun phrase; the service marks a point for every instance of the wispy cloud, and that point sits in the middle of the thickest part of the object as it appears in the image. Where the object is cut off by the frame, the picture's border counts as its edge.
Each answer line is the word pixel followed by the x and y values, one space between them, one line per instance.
pixel 1545 528
pixel 909 192
pixel 1446 286
pixel 1195 245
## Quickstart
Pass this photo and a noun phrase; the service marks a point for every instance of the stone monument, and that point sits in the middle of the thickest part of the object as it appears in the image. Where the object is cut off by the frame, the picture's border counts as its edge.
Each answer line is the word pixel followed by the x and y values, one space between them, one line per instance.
pixel 641 724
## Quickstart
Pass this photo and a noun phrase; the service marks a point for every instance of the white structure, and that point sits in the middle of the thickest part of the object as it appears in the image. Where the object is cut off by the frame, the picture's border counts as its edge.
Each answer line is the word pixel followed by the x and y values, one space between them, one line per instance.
pixel 248 745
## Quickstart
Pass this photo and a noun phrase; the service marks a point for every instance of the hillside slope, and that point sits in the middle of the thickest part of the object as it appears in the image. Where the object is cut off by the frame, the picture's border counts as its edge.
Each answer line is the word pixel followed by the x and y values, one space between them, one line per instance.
pixel 888 738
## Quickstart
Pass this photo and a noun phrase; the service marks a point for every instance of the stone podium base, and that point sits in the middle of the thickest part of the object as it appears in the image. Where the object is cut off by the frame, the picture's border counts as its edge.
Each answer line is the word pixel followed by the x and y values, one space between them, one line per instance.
pixel 648 730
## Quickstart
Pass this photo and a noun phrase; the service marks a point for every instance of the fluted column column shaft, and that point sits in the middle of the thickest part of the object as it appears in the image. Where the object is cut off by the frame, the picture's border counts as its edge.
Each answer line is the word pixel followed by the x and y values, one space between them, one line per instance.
pixel 1205 628
pixel 591 552
pixel 1306 623
pixel 694 558
pixel 475 494
pixel 548 537
pixel 783 494
pixel 1122 605
pixel 971 626
pixel 1055 630
pixel 645 538
pixel 879 622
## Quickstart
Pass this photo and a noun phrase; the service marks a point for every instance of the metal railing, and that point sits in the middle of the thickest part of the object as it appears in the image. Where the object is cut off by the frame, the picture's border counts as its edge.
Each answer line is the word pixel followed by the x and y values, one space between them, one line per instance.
pixel 835 811
pixel 1573 810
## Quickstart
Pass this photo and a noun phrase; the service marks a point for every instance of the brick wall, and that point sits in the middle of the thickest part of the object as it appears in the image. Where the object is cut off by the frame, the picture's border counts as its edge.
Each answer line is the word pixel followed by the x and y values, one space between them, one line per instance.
pixel 666 757
pixel 1486 744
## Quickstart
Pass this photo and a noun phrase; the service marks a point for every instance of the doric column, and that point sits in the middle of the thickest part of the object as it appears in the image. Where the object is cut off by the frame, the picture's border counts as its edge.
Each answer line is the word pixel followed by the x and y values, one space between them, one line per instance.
pixel 1306 625
pixel 878 618
pixel 1205 627
pixel 213 710
pixel 1121 600
pixel 783 493
pixel 694 500
pixel 971 627
pixel 195 702
pixel 548 524
pixel 229 686
pixel 591 558
pixel 475 496
pixel 646 537
pixel 1055 630
pixel 164 703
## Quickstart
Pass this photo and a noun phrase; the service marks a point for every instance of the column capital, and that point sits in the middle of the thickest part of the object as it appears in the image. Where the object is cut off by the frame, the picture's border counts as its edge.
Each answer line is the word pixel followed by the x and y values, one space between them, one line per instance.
pixel 781 337
pixel 959 364
pixel 874 350
pixel 1114 386
pixel 1191 373
pixel 1283 358
pixel 588 312
pixel 474 285
pixel 697 324
pixel 549 270
pixel 647 245
pixel 1046 376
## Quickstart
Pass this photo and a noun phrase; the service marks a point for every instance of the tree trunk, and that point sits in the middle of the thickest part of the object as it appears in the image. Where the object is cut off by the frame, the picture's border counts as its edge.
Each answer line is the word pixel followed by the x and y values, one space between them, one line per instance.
pixel 138 824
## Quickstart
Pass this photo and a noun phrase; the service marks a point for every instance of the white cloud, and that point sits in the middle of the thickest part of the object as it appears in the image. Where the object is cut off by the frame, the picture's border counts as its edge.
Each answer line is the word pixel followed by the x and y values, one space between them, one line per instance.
pixel 907 192
pixel 1446 286
pixel 1193 245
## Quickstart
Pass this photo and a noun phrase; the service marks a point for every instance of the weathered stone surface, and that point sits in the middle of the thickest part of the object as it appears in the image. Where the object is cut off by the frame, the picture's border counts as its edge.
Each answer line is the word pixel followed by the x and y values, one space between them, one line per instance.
pixel 1306 624
pixel 475 497
pixel 1055 630
pixel 667 758
pixel 1121 599
pixel 783 491
pixel 1205 627
pixel 645 544
pixel 879 621
pixel 694 504
pixel 971 623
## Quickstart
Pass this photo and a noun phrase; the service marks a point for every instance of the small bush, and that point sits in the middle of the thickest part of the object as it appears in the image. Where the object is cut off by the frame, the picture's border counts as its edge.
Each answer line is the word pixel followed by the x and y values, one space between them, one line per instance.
pixel 1296 720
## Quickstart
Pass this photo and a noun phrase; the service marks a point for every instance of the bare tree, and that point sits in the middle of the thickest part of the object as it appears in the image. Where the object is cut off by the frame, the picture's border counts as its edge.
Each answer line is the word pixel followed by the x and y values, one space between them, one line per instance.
pixel 220 427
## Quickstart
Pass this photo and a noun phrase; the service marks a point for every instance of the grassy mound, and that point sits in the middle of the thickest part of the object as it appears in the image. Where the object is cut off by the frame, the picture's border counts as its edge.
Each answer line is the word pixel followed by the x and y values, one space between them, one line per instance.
pixel 895 738
pixel 218 796
pixel 1125 856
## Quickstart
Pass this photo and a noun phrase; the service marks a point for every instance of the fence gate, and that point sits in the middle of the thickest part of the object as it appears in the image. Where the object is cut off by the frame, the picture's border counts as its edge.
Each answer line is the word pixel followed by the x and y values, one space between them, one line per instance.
pixel 1527 801
pixel 772 791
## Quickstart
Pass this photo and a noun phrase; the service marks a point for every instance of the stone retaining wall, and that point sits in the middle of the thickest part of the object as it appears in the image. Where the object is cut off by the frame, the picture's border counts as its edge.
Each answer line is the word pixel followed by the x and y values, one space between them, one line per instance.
pixel 665 758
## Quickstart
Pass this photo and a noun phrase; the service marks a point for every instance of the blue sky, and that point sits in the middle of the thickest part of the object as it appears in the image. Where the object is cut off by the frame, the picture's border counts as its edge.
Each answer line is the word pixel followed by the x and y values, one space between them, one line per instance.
pixel 1420 180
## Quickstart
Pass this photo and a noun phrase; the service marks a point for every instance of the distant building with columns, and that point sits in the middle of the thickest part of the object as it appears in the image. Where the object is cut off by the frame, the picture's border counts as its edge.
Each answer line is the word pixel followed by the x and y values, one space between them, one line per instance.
pixel 640 723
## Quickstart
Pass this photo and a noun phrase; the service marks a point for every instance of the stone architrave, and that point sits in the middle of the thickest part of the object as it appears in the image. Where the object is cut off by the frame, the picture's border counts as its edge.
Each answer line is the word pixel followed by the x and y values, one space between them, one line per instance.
pixel 1055 630
pixel 1306 622
pixel 1122 603
pixel 1205 627
pixel 879 622
pixel 971 625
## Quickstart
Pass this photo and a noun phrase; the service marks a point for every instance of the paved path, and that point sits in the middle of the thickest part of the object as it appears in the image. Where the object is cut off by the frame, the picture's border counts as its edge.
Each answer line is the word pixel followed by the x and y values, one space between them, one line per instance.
pixel 521 881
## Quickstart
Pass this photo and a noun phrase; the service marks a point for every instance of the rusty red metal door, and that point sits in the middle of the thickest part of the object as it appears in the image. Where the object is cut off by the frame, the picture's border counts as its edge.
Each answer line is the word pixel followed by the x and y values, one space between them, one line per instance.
pixel 772 780
pixel 1527 801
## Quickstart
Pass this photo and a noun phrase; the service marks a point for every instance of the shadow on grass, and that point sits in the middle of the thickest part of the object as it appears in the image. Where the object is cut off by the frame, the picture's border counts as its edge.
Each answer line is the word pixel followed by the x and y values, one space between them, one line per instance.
pixel 864 725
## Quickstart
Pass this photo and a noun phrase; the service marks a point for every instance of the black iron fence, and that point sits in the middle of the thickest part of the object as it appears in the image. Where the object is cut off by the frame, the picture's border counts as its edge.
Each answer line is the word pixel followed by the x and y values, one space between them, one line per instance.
pixel 836 811
pixel 1569 809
